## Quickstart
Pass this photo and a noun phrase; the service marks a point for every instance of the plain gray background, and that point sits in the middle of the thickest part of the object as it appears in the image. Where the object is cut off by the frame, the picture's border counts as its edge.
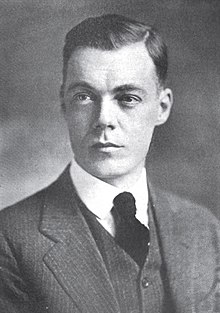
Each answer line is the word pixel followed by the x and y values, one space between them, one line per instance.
pixel 34 143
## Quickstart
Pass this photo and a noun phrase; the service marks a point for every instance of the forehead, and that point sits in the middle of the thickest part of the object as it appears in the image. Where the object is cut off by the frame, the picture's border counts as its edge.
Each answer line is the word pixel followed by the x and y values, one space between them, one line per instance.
pixel 108 69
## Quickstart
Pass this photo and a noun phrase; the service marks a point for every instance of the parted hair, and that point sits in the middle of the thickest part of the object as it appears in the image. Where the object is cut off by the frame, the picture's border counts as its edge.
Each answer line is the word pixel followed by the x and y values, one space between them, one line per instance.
pixel 111 32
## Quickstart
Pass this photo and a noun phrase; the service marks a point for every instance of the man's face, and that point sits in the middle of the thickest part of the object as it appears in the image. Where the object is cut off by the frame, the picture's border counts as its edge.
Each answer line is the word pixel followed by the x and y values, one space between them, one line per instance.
pixel 112 104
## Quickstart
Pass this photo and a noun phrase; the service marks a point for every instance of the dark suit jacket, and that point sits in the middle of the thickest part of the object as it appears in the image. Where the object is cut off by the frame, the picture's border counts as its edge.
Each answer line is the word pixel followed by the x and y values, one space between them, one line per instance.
pixel 49 261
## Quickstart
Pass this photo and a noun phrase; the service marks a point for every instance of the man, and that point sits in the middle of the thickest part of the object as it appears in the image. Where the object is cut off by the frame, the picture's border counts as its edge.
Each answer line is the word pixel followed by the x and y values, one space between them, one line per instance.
pixel 70 248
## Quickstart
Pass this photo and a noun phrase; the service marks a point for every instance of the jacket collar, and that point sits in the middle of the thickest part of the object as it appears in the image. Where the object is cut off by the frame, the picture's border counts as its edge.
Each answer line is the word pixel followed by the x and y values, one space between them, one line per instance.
pixel 182 241
pixel 78 266
pixel 75 260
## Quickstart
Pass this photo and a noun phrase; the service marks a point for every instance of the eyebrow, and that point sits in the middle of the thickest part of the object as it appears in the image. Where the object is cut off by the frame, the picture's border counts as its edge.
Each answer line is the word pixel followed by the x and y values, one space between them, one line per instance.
pixel 79 84
pixel 126 87
pixel 121 88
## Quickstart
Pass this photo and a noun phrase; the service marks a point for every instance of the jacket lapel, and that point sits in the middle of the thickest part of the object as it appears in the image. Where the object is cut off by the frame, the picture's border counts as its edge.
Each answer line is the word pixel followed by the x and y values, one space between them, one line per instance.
pixel 75 259
pixel 77 264
pixel 184 250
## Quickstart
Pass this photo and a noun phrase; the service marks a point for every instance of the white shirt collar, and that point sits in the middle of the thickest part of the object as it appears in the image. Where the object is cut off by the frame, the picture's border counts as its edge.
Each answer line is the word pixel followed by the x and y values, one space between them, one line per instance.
pixel 98 196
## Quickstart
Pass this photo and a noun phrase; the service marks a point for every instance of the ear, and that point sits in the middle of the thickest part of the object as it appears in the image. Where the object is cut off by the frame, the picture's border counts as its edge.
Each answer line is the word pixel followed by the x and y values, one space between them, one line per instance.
pixel 165 105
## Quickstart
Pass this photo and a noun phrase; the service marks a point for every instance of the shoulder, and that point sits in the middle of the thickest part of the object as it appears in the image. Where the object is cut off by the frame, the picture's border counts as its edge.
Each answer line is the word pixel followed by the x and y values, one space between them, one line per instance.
pixel 180 219
pixel 25 215
pixel 183 207
pixel 22 214
pixel 184 211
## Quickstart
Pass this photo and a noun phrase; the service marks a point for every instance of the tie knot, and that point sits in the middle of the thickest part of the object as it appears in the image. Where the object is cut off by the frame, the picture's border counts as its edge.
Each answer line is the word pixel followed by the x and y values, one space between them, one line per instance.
pixel 124 203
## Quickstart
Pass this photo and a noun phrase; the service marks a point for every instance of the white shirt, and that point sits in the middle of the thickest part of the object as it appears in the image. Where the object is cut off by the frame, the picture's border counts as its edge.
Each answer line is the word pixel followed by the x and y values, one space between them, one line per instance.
pixel 98 196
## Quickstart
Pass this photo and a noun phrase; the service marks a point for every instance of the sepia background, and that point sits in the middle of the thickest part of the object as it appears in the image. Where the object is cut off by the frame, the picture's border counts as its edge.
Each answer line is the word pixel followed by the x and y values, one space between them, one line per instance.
pixel 34 147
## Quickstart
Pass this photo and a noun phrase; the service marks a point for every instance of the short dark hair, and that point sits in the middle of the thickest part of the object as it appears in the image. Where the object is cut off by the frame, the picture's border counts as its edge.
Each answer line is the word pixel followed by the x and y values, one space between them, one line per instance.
pixel 113 31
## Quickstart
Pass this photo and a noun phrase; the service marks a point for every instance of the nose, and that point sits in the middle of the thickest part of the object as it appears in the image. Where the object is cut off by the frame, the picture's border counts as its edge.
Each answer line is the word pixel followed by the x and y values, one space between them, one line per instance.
pixel 106 115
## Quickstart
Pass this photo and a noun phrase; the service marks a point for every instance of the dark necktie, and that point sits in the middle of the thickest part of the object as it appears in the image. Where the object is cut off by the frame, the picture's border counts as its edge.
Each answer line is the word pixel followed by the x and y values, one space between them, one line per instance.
pixel 131 235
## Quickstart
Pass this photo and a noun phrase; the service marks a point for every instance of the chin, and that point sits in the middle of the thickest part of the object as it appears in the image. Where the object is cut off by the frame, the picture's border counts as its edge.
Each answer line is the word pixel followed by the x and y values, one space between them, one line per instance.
pixel 103 172
pixel 107 169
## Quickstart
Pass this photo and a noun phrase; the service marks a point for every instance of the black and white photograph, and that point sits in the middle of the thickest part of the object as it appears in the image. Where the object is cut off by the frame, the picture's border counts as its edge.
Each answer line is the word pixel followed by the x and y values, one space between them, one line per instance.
pixel 110 156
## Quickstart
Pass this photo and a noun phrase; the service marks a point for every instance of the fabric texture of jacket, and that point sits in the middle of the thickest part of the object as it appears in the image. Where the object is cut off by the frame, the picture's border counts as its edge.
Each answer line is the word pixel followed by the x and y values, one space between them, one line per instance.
pixel 49 261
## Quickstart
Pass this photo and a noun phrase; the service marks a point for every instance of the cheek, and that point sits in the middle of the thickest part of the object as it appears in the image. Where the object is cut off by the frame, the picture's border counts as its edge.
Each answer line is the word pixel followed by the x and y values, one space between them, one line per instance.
pixel 142 130
pixel 145 121
pixel 77 128
pixel 140 137
pixel 78 120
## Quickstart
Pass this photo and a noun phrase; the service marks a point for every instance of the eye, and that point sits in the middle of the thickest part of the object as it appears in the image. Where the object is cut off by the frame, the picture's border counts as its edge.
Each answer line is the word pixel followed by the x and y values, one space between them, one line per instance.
pixel 83 98
pixel 128 100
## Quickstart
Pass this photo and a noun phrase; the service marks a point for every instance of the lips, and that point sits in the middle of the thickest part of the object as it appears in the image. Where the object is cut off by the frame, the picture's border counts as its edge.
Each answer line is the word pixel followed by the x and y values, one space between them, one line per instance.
pixel 100 145
pixel 108 148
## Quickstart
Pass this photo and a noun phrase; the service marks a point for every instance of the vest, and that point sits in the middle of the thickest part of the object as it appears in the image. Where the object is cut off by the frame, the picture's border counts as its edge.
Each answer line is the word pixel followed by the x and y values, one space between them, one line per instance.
pixel 137 290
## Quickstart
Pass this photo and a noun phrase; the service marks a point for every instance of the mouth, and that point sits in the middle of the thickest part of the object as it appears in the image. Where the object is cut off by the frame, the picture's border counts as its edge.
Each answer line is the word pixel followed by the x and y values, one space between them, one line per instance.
pixel 106 146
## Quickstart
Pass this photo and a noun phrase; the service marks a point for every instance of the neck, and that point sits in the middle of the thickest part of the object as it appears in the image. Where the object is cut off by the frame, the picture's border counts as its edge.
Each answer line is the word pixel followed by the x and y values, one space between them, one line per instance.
pixel 123 182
